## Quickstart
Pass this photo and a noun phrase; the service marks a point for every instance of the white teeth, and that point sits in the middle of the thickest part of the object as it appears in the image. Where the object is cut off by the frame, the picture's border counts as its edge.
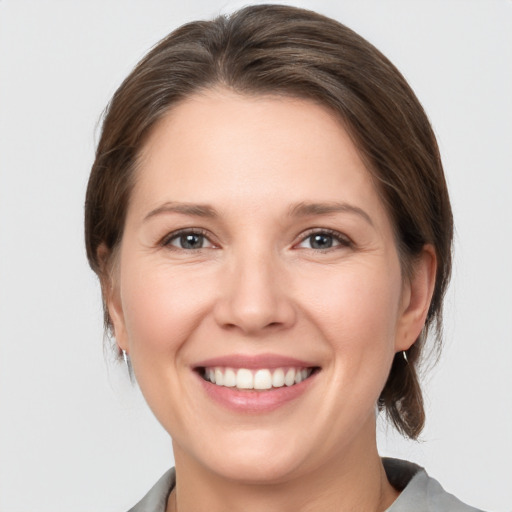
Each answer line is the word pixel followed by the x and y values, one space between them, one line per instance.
pixel 262 379
pixel 301 375
pixel 229 378
pixel 289 378
pixel 278 378
pixel 244 379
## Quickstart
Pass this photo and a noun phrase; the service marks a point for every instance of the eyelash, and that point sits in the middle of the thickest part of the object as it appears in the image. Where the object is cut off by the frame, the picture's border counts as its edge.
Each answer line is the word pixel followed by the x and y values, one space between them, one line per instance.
pixel 339 238
pixel 168 239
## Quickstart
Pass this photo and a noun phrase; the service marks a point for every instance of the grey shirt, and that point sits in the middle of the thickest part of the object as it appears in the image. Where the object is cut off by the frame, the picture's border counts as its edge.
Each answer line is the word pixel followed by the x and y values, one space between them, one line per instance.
pixel 419 492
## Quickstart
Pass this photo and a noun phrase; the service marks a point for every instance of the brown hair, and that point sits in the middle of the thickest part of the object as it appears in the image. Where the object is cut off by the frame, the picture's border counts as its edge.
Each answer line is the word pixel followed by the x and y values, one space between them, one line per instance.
pixel 271 49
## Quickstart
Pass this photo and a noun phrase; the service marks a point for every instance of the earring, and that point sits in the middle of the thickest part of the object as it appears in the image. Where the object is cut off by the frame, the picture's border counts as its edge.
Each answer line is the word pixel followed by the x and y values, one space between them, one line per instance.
pixel 404 353
pixel 128 363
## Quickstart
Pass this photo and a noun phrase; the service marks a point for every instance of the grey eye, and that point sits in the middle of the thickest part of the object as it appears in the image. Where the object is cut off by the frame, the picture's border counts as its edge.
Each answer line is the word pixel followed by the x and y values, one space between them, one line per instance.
pixel 188 241
pixel 324 240
pixel 321 241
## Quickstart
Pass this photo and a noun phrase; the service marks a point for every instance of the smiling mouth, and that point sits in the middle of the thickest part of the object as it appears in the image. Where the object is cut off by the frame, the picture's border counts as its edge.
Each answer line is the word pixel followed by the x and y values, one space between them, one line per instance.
pixel 262 379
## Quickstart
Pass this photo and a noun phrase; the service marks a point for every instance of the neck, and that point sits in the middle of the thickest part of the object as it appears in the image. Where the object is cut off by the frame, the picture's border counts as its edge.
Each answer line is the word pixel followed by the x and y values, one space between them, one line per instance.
pixel 352 480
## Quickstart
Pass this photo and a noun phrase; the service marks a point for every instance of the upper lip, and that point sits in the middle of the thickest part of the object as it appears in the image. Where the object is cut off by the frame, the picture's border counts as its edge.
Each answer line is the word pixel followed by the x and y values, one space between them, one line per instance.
pixel 254 362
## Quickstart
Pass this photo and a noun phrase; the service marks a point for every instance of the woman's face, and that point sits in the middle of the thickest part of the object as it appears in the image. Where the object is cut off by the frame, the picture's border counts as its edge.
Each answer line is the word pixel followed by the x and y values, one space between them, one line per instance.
pixel 257 253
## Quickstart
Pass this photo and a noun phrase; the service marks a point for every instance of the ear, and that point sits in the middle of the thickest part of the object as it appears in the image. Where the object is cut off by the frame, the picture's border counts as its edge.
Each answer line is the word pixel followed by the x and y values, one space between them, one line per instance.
pixel 110 290
pixel 416 296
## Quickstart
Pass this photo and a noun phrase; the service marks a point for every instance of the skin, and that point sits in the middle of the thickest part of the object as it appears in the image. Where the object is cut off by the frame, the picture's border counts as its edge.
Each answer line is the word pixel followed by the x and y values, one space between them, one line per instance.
pixel 257 285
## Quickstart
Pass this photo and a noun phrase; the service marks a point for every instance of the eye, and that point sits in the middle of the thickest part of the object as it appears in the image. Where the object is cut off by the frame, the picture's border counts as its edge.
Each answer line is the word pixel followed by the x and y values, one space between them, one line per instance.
pixel 324 240
pixel 188 240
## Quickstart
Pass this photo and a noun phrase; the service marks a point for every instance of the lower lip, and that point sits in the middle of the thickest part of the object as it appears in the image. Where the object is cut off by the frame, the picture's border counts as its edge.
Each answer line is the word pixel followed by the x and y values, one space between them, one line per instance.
pixel 252 401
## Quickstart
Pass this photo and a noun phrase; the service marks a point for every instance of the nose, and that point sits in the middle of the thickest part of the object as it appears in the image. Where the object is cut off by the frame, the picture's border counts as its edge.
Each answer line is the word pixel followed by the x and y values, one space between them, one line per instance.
pixel 254 296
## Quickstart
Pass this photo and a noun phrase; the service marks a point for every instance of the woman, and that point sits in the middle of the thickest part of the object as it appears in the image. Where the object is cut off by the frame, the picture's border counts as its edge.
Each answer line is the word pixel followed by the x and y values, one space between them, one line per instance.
pixel 268 217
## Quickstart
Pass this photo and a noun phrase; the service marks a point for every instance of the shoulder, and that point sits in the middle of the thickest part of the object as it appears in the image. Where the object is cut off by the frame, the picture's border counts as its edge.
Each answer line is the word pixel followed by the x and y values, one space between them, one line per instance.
pixel 419 491
pixel 156 499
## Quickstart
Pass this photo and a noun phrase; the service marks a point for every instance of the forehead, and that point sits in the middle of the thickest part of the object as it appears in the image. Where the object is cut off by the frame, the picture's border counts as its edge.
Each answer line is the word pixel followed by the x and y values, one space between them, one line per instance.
pixel 251 150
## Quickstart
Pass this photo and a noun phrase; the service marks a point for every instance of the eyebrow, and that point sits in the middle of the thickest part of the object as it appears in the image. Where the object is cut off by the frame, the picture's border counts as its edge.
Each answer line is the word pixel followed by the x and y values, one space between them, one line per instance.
pixel 301 209
pixel 196 210
pixel 308 209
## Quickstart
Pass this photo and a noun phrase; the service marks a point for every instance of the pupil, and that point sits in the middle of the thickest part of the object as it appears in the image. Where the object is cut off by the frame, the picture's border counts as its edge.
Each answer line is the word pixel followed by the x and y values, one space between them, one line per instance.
pixel 321 241
pixel 191 241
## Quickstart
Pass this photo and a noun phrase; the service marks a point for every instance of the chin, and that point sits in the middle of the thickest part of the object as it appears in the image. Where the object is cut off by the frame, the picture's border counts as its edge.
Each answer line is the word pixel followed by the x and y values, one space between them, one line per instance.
pixel 254 459
pixel 258 470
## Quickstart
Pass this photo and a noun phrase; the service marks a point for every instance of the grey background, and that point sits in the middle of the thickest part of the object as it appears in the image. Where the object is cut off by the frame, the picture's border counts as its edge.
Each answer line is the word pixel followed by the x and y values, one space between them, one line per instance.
pixel 74 435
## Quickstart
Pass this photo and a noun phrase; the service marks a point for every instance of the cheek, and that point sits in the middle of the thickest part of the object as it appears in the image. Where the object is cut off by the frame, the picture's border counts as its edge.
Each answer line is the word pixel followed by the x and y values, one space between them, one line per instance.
pixel 357 309
pixel 161 308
